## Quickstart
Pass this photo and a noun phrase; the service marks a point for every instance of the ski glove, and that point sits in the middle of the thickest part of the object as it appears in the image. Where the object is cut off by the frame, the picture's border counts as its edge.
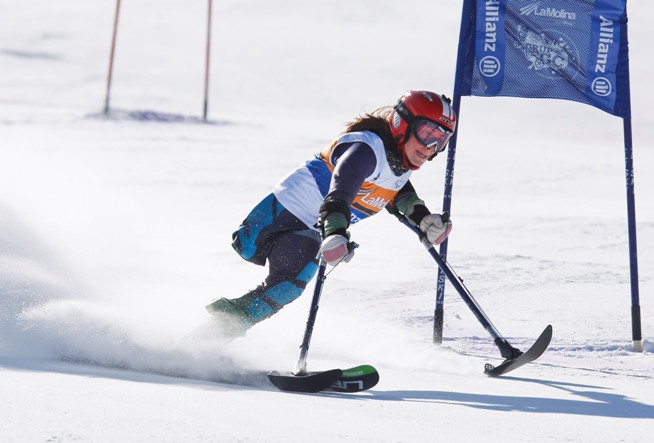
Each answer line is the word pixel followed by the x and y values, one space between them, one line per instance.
pixel 436 227
pixel 336 248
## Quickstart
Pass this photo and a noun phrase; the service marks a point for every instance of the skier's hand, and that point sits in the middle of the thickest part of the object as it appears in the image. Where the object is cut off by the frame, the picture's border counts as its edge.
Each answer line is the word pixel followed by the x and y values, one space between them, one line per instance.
pixel 336 248
pixel 436 227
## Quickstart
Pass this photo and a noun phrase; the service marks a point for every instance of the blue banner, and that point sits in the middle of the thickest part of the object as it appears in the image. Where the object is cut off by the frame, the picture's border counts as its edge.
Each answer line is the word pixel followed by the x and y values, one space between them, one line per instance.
pixel 563 49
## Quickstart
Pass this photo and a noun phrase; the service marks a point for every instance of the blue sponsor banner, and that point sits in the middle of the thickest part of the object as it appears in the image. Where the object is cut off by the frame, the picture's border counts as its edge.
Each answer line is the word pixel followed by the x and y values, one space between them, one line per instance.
pixel 563 49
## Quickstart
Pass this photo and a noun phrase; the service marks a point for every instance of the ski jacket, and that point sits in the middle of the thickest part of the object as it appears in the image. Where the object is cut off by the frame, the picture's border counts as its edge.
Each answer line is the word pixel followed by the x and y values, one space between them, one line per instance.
pixel 304 189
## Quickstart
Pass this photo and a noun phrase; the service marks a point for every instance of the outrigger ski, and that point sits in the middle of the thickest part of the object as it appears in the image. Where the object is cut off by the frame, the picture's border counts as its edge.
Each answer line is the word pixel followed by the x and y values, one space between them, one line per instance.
pixel 514 358
pixel 530 355
pixel 356 379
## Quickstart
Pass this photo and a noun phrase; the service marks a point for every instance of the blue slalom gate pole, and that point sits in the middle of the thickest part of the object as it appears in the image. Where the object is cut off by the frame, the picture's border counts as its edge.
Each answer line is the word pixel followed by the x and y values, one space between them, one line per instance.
pixel 461 59
pixel 631 223
pixel 439 311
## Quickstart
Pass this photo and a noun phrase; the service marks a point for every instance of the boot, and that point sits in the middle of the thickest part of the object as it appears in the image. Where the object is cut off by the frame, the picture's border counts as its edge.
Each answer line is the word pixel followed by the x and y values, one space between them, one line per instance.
pixel 234 315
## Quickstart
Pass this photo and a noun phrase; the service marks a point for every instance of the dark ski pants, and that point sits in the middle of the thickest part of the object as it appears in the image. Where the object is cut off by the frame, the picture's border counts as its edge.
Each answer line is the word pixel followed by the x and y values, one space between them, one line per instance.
pixel 272 234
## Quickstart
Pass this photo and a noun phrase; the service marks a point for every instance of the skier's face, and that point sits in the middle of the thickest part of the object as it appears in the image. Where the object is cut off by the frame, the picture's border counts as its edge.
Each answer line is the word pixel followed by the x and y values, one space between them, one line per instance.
pixel 416 152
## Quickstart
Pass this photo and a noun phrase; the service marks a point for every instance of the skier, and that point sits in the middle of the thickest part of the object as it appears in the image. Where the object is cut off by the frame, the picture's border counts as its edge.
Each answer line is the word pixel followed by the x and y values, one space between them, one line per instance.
pixel 310 210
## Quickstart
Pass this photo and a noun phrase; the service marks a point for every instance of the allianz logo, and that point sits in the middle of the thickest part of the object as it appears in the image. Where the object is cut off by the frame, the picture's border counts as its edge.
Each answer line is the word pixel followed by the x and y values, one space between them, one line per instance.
pixel 535 9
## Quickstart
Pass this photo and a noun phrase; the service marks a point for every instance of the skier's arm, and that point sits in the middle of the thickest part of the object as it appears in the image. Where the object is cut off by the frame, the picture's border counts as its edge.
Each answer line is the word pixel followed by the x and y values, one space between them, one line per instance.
pixel 410 205
pixel 435 226
pixel 354 162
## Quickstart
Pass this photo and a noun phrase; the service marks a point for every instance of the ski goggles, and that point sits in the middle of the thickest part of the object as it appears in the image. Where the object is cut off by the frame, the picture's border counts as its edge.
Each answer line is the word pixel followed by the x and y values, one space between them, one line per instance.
pixel 431 134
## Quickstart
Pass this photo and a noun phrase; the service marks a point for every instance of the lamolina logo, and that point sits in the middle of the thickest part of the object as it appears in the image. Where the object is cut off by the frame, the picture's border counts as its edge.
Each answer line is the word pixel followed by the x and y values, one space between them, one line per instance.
pixel 551 55
pixel 535 9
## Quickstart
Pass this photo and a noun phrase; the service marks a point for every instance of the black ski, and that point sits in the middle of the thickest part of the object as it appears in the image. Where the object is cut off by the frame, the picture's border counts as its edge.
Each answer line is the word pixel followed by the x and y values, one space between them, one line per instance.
pixel 530 355
pixel 355 379
pixel 313 382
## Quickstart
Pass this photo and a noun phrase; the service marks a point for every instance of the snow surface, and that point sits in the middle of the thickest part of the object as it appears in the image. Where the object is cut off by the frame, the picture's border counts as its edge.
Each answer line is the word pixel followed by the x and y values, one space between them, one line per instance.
pixel 115 232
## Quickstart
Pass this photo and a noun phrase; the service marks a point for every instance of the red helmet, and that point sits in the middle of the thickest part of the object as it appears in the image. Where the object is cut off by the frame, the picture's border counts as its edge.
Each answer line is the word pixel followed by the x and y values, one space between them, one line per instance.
pixel 427 115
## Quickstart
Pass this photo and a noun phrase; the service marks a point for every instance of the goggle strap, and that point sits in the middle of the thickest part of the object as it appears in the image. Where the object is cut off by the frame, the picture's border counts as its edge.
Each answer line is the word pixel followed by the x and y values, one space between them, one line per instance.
pixel 405 114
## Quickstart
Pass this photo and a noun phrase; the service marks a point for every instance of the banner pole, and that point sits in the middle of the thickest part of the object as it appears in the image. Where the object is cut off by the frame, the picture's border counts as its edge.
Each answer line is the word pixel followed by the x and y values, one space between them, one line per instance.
pixel 206 65
pixel 439 310
pixel 467 11
pixel 111 58
pixel 631 222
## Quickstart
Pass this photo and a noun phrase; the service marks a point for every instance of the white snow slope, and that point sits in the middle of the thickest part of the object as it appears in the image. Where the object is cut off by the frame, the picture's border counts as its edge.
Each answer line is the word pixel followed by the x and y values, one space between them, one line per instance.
pixel 115 232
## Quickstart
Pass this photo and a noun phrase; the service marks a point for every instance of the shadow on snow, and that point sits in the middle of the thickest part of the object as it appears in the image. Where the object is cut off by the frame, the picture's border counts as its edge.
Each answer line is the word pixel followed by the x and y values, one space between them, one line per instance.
pixel 589 401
